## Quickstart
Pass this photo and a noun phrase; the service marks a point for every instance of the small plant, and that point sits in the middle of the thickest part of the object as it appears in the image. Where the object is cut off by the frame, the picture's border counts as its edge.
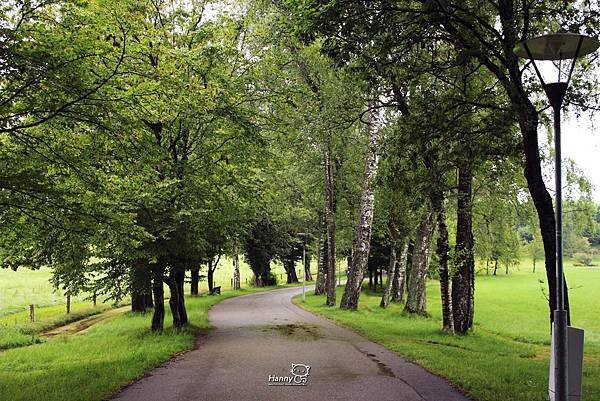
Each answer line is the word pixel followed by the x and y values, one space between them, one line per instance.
pixel 583 259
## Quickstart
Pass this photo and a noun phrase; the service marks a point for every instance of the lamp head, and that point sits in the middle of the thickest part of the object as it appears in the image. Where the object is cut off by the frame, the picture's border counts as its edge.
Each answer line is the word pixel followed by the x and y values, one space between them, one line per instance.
pixel 557 46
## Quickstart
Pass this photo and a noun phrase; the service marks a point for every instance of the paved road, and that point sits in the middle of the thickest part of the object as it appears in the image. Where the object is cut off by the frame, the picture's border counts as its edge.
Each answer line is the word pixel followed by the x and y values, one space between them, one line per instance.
pixel 259 335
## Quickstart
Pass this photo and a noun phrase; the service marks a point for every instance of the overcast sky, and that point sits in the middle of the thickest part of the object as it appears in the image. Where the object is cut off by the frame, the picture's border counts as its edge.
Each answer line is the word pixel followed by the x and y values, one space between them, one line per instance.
pixel 580 138
pixel 581 142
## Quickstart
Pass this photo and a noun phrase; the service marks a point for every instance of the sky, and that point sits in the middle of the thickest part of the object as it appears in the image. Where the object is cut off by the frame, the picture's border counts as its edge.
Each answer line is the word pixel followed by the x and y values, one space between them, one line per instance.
pixel 581 142
pixel 580 137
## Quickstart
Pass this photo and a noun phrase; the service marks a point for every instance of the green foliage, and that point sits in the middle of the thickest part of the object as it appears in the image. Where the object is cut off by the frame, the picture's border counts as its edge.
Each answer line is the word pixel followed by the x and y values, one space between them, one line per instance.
pixel 93 366
pixel 584 259
pixel 534 249
pixel 260 249
pixel 578 244
pixel 510 337
pixel 116 163
pixel 579 226
pixel 161 136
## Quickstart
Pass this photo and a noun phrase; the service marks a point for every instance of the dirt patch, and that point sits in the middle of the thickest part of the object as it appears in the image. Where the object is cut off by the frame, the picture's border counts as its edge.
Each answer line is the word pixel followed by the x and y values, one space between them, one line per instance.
pixel 81 326
pixel 306 332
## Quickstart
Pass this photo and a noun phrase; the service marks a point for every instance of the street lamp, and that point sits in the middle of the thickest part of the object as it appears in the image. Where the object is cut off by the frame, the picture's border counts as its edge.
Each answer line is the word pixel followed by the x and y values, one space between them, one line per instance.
pixel 559 47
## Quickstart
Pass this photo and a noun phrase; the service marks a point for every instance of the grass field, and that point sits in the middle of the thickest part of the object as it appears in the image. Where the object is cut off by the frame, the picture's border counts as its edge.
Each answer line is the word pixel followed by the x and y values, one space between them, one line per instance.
pixel 16 330
pixel 94 365
pixel 507 355
pixel 19 289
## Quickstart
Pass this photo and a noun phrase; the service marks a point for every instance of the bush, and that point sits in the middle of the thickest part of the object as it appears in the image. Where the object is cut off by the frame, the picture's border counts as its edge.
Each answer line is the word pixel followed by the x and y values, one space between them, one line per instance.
pixel 271 280
pixel 583 259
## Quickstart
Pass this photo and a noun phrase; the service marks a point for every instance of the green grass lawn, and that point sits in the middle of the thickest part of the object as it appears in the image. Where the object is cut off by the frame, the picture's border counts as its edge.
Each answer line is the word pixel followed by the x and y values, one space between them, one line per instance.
pixel 224 273
pixel 507 354
pixel 16 330
pixel 94 365
pixel 19 289
pixel 24 287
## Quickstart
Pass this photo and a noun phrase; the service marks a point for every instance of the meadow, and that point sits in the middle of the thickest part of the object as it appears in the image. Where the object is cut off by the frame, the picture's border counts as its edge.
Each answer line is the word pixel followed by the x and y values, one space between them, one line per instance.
pixel 19 289
pixel 507 354
pixel 94 365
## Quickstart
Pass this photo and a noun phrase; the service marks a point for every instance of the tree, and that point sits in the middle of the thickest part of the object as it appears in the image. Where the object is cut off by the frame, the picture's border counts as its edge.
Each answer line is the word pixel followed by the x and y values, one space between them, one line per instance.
pixel 416 301
pixel 535 250
pixel 464 275
pixel 141 166
pixel 318 109
pixel 487 32
pixel 360 255
pixel 259 250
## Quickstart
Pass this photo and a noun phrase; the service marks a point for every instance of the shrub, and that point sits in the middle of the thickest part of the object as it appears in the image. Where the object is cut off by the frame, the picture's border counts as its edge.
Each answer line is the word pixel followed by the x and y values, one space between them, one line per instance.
pixel 583 259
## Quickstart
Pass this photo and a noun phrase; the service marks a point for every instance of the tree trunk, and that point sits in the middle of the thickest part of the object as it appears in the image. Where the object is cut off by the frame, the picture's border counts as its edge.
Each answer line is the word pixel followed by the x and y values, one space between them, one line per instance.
pixel 464 276
pixel 210 278
pixel 174 300
pixel 258 281
pixel 330 221
pixel 149 302
pixel 195 278
pixel 528 122
pixel 321 259
pixel 416 301
pixel 360 255
pixel 267 278
pixel 307 273
pixel 290 270
pixel 138 302
pixel 138 286
pixel 158 317
pixel 180 277
pixel 392 271
pixel 236 271
pixel 443 250
pixel 399 282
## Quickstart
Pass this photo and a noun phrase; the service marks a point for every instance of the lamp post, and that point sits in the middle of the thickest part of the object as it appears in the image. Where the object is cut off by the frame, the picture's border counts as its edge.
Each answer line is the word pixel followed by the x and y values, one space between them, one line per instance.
pixel 558 47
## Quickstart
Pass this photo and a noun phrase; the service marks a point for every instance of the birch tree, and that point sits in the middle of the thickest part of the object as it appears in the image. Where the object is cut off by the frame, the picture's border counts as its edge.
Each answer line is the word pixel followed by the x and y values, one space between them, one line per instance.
pixel 360 254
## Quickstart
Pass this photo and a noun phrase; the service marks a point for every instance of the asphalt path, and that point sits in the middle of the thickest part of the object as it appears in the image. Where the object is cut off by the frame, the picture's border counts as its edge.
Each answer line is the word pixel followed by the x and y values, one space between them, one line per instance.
pixel 257 338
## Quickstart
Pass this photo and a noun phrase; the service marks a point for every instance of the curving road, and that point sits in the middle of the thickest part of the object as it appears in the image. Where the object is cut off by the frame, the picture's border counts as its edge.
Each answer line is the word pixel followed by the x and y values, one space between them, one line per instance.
pixel 262 334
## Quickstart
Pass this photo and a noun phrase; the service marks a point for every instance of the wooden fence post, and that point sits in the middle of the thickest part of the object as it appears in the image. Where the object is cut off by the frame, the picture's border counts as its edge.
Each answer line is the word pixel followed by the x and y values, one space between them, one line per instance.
pixel 31 313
